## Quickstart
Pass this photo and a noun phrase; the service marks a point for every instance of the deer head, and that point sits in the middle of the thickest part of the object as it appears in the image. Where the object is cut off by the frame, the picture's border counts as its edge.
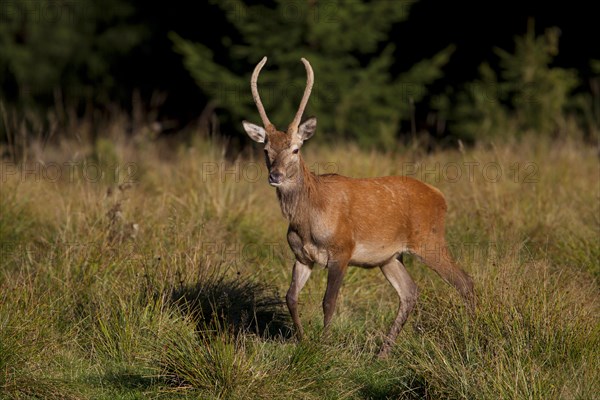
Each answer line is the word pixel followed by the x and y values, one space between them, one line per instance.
pixel 282 149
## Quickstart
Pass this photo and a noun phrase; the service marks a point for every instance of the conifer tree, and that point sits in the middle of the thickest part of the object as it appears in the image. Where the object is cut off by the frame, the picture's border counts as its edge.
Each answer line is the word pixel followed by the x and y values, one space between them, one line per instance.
pixel 49 45
pixel 349 46
pixel 528 93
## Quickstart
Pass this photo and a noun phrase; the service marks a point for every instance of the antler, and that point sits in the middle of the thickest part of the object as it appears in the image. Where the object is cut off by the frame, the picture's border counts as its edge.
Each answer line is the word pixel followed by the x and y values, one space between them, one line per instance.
pixel 310 79
pixel 256 96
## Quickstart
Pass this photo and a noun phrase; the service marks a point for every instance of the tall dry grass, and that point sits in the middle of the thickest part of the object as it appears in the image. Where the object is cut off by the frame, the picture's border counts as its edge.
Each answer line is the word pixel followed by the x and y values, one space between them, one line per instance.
pixel 163 277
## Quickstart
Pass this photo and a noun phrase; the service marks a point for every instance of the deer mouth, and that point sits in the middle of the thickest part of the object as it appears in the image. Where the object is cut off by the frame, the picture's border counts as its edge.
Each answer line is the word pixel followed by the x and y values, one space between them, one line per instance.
pixel 273 182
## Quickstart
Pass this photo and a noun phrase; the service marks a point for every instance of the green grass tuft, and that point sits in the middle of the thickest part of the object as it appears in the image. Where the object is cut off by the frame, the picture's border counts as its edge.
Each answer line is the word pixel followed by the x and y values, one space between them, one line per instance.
pixel 171 285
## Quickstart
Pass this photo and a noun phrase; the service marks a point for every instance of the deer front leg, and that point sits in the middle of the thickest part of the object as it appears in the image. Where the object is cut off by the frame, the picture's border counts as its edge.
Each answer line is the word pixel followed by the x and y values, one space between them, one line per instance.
pixel 300 275
pixel 335 275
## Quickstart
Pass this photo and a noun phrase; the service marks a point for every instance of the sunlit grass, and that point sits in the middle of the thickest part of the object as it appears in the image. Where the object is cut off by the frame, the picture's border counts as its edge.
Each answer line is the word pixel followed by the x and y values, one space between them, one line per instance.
pixel 106 286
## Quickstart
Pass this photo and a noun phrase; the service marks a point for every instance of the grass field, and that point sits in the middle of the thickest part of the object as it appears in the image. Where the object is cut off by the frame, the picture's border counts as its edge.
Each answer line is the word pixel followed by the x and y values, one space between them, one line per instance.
pixel 131 269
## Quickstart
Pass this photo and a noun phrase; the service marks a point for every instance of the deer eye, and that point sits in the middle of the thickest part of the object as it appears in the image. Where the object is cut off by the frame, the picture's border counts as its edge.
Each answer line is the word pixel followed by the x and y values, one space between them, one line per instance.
pixel 295 151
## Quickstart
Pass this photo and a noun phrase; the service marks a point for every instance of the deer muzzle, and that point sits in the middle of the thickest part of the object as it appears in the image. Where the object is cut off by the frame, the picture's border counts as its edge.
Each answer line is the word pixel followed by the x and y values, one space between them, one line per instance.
pixel 275 178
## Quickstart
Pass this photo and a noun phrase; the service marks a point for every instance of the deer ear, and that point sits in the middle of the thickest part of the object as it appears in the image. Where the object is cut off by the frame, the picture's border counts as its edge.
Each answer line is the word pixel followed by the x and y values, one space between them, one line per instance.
pixel 307 128
pixel 256 133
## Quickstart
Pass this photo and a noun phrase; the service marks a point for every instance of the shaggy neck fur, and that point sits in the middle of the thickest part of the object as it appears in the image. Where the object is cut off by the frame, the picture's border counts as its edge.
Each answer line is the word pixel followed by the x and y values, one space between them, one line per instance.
pixel 295 199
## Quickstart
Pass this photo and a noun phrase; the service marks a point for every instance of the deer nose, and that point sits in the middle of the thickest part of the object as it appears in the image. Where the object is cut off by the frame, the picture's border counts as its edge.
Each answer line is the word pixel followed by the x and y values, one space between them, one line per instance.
pixel 275 178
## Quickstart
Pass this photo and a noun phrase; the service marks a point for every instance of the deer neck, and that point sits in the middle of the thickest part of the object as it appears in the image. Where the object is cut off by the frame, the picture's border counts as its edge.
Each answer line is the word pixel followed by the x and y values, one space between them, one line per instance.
pixel 295 200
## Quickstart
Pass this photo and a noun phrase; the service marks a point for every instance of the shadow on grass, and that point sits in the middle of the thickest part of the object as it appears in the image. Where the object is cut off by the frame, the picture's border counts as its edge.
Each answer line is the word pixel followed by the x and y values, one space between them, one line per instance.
pixel 130 380
pixel 238 304
pixel 392 384
pixel 120 382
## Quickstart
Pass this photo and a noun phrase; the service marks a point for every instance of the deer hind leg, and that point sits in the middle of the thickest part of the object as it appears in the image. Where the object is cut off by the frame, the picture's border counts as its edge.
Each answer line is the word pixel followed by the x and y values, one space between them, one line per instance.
pixel 437 256
pixel 396 274
pixel 300 275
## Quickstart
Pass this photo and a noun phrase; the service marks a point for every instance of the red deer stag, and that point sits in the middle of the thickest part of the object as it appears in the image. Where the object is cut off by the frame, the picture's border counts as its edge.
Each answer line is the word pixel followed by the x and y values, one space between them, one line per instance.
pixel 338 221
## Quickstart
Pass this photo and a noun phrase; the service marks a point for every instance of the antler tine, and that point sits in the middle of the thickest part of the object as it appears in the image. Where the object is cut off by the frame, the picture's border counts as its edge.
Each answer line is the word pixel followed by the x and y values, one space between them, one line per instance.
pixel 256 96
pixel 310 79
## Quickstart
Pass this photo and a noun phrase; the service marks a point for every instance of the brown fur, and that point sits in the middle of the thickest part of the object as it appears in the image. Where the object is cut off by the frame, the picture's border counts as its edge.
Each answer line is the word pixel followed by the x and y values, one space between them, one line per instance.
pixel 339 221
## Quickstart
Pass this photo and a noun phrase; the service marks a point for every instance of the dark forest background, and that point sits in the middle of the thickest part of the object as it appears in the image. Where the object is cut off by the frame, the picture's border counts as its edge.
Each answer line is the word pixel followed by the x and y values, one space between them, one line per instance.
pixel 384 69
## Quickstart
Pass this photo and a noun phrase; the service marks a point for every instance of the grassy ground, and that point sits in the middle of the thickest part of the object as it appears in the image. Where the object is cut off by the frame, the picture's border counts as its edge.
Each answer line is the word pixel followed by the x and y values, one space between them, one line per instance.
pixel 171 285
